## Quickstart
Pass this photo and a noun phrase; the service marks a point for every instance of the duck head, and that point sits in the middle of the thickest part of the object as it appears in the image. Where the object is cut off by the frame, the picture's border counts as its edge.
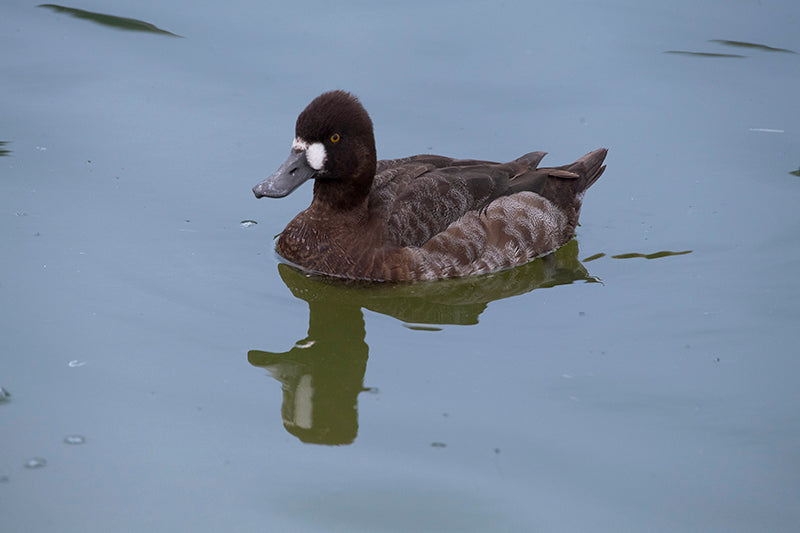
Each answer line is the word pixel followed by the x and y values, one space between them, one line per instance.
pixel 334 144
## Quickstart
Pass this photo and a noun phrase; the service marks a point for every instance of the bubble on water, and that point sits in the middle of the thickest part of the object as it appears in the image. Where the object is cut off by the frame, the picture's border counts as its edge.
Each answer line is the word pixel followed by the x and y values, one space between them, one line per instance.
pixel 36 462
pixel 76 363
pixel 4 395
pixel 74 439
pixel 247 223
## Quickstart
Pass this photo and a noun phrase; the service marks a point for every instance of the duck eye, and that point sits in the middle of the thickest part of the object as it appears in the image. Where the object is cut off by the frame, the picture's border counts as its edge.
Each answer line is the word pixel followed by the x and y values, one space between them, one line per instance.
pixel 335 138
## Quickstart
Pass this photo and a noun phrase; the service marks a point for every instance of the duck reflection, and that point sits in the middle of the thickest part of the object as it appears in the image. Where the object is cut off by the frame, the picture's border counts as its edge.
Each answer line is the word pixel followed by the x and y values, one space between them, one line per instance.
pixel 323 374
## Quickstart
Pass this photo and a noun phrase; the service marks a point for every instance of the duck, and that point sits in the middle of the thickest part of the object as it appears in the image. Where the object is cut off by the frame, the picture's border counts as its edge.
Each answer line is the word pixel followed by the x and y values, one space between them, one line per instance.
pixel 423 217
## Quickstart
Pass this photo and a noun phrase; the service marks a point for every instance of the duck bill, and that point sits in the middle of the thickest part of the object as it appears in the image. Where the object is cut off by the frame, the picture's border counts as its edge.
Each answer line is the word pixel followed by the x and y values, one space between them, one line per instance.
pixel 289 176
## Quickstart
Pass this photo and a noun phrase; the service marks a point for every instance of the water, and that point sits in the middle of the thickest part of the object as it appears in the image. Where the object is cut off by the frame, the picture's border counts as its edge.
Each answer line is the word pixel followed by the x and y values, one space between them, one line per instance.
pixel 610 387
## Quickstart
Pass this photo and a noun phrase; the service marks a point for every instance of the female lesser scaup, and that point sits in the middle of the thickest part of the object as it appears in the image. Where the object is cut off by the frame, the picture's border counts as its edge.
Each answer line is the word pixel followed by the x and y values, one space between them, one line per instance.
pixel 421 217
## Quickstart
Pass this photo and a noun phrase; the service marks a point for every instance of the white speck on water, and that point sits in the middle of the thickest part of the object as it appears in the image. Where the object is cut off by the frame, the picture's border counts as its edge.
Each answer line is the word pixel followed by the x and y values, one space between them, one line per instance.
pixel 74 439
pixel 76 363
pixel 36 462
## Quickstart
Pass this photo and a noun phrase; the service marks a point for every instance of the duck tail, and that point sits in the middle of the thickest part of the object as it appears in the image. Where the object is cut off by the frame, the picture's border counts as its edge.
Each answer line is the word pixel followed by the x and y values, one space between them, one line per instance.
pixel 566 185
pixel 589 167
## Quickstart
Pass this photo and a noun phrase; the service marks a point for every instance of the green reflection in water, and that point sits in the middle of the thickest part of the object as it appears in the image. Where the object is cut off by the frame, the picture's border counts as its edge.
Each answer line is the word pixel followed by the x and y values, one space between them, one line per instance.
pixel 795 172
pixel 755 46
pixel 120 23
pixel 593 257
pixel 656 255
pixel 323 374
pixel 3 151
pixel 701 54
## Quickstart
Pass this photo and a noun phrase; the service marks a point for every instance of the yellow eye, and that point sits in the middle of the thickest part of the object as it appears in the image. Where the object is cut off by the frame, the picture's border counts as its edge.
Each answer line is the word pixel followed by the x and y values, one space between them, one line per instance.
pixel 335 138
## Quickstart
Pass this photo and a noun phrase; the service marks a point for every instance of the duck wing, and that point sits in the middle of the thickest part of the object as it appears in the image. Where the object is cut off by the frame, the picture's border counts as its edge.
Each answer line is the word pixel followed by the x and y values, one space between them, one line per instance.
pixel 420 196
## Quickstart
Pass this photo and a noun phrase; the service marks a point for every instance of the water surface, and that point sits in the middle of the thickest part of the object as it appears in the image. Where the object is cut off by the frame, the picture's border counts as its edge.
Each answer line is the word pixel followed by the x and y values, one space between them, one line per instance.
pixel 160 369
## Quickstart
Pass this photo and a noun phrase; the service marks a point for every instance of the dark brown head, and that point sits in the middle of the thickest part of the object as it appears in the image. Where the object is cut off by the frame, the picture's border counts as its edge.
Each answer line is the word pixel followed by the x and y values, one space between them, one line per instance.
pixel 334 144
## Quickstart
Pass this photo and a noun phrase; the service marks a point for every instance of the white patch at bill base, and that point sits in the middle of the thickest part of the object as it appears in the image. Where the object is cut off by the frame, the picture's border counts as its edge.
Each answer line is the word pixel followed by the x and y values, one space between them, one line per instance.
pixel 316 156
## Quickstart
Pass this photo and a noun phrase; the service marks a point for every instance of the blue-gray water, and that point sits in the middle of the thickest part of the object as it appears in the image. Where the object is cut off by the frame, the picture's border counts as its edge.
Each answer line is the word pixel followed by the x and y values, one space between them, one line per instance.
pixel 213 390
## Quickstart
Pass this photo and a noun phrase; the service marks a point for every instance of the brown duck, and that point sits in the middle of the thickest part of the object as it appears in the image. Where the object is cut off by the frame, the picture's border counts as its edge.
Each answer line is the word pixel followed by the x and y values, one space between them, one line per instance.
pixel 421 217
